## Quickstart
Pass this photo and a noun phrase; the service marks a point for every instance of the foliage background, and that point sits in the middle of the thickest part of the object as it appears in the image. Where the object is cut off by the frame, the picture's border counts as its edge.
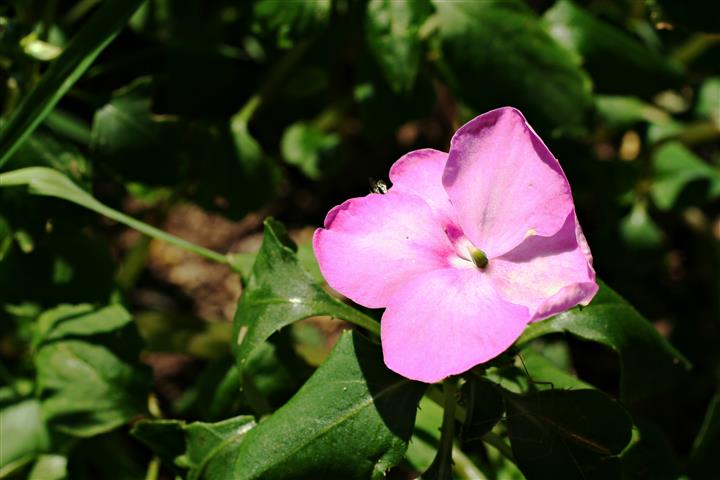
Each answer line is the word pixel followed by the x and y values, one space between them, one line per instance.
pixel 203 118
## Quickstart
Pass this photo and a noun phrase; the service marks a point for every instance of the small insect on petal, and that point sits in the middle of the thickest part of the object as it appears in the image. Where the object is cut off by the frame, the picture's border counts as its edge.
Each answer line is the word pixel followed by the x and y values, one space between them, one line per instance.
pixel 378 186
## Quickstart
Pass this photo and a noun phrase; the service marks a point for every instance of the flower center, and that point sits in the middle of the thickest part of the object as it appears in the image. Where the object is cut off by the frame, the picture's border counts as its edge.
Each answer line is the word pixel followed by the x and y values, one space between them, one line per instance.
pixel 468 254
pixel 478 257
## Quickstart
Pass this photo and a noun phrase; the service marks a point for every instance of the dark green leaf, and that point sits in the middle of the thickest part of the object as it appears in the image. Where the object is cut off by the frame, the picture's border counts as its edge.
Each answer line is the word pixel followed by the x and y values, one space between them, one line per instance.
pixel 569 434
pixel 87 372
pixel 674 167
pixel 649 363
pixel 392 32
pixel 166 438
pixel 650 454
pixel 291 19
pixel 212 447
pixel 310 149
pixel 496 53
pixel 545 374
pixel 484 406
pixel 279 293
pixel 23 432
pixel 607 50
pixel 69 126
pixel 82 50
pixel 6 237
pixel 206 449
pixel 352 419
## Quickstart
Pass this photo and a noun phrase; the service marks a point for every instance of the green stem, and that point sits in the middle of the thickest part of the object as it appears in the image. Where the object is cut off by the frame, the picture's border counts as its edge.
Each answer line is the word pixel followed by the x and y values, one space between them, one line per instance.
pixel 434 394
pixel 159 234
pixel 441 467
pixel 153 470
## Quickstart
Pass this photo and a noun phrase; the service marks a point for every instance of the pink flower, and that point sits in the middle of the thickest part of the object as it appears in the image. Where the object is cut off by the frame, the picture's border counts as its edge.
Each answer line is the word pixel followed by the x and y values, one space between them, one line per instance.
pixel 464 250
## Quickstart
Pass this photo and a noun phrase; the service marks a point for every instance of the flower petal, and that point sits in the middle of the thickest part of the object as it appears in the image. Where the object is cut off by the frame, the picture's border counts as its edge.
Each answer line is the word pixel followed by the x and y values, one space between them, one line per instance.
pixel 373 245
pixel 445 322
pixel 504 183
pixel 420 172
pixel 547 274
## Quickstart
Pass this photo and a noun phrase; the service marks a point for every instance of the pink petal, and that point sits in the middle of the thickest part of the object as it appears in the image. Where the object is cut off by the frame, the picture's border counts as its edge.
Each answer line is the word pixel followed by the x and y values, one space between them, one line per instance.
pixel 420 172
pixel 504 182
pixel 372 246
pixel 547 274
pixel 445 322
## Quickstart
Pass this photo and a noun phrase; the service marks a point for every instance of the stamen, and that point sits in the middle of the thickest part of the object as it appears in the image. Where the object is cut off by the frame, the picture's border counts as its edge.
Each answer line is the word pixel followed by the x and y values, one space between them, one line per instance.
pixel 479 258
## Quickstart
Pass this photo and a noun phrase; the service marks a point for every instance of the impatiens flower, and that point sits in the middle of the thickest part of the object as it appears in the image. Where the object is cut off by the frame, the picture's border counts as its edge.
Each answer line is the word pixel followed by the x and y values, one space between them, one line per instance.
pixel 464 250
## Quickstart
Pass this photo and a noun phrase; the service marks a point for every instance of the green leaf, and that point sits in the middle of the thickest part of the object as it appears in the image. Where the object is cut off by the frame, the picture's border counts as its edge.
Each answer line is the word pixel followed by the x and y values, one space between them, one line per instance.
pixel 279 293
pixel 310 149
pixel 69 126
pixel 484 406
pixel 290 20
pixel 80 321
pixel 49 182
pixel 650 454
pixel 496 53
pixel 166 438
pixel 649 363
pixel 703 459
pixel 206 449
pixel 569 434
pixel 63 72
pixel 607 50
pixel 392 32
pixel 44 150
pixel 49 467
pixel 545 374
pixel 6 237
pixel 708 100
pixel 639 231
pixel 212 447
pixel 674 167
pixel 23 432
pixel 352 419
pixel 88 370
pixel 623 111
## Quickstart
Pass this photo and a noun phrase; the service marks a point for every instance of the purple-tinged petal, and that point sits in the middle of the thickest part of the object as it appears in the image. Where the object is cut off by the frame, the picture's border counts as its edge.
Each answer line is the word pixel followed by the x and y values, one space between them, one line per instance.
pixel 547 274
pixel 504 183
pixel 420 172
pixel 445 322
pixel 372 246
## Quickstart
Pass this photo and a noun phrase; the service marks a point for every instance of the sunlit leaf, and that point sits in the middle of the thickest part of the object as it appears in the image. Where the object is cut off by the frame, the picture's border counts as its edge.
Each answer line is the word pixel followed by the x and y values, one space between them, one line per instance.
pixel 279 293
pixel 352 419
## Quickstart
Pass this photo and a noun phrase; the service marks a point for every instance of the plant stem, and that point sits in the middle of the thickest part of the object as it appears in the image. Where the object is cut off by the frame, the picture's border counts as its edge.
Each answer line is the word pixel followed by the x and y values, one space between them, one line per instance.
pixel 156 233
pixel 441 467
pixel 153 470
